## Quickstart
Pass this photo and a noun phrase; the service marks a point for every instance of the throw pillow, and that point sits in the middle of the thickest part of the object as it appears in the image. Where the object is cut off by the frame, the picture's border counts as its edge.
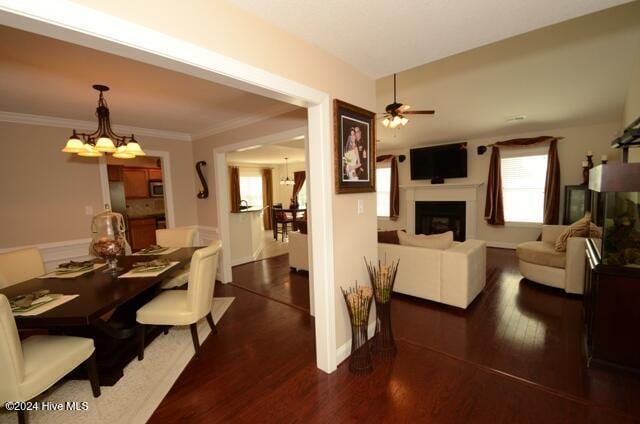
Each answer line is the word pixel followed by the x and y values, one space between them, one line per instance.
pixel 580 228
pixel 389 237
pixel 434 241
pixel 595 231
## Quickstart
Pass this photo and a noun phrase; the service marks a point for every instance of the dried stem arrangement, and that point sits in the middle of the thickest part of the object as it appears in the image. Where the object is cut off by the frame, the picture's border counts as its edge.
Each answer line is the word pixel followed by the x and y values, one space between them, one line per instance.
pixel 382 279
pixel 358 301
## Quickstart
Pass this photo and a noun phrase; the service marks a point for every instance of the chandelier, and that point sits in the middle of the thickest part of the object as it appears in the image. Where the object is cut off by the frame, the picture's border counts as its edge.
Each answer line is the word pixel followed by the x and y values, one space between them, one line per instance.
pixel 103 140
pixel 285 180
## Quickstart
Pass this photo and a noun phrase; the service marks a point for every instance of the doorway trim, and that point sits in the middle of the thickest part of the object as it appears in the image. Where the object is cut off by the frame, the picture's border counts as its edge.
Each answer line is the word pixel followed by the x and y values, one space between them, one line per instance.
pixel 169 207
pixel 111 34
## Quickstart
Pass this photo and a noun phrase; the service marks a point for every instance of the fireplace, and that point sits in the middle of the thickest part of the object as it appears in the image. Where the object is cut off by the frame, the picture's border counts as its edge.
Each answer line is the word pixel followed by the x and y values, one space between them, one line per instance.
pixel 440 217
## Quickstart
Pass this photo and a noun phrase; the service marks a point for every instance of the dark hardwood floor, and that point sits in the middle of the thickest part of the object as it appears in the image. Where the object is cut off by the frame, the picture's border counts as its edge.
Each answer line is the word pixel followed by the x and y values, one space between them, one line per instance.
pixel 514 356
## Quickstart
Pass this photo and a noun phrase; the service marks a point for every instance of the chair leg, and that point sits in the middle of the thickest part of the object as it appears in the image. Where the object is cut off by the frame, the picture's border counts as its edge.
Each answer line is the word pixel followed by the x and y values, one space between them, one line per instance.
pixel 140 330
pixel 22 417
pixel 92 371
pixel 196 342
pixel 212 324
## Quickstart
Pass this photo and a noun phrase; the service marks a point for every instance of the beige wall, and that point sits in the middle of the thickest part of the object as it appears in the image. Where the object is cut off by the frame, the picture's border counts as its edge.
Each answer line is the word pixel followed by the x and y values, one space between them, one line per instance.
pixel 632 105
pixel 282 193
pixel 44 192
pixel 571 151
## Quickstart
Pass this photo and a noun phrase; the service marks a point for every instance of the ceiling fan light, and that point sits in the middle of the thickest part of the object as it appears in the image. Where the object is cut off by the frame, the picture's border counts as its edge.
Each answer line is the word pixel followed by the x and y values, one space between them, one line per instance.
pixel 134 148
pixel 386 121
pixel 90 152
pixel 404 121
pixel 74 145
pixel 122 153
pixel 105 144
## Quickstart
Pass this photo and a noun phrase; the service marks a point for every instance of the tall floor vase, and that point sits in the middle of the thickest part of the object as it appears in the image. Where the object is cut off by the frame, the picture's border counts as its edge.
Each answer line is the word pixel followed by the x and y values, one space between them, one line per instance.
pixel 383 343
pixel 358 301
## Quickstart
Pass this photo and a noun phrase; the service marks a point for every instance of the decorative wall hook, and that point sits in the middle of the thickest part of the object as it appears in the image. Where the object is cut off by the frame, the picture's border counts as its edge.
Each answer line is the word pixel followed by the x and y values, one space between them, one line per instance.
pixel 204 193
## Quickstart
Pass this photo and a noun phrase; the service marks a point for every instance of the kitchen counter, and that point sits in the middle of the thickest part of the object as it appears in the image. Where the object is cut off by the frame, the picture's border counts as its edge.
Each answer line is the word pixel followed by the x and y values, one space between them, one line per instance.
pixel 251 209
pixel 247 238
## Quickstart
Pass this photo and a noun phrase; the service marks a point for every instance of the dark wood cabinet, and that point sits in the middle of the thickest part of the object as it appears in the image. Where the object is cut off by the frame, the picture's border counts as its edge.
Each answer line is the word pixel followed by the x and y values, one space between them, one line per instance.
pixel 154 174
pixel 136 183
pixel 142 232
pixel 114 172
pixel 577 201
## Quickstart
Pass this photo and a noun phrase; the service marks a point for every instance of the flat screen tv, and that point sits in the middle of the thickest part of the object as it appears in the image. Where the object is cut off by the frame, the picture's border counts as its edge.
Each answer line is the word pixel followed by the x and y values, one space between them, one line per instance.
pixel 438 162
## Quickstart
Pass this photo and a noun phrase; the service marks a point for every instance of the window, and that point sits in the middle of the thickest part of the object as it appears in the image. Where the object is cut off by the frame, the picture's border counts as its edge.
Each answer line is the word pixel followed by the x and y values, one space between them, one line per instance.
pixel 251 189
pixel 302 196
pixel 383 185
pixel 523 179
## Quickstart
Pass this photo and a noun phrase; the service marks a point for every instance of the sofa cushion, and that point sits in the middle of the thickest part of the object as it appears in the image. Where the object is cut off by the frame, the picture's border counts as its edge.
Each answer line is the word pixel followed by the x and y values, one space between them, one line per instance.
pixel 389 237
pixel 434 241
pixel 580 228
pixel 541 253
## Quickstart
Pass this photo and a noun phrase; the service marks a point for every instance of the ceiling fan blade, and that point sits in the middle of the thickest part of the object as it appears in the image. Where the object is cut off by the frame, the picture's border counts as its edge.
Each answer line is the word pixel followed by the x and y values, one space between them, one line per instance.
pixel 420 112
pixel 403 108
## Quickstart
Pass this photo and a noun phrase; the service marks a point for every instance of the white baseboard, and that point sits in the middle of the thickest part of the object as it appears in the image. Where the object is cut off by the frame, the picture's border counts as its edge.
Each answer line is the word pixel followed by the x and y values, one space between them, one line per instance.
pixel 58 252
pixel 344 351
pixel 502 245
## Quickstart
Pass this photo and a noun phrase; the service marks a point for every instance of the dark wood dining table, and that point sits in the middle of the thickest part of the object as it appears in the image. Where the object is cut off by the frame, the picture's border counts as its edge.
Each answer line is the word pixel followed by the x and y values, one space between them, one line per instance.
pixel 104 309
pixel 294 217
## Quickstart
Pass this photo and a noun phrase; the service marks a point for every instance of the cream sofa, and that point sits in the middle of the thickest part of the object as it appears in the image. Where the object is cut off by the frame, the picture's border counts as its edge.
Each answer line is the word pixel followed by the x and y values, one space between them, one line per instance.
pixel 454 276
pixel 540 262
pixel 298 251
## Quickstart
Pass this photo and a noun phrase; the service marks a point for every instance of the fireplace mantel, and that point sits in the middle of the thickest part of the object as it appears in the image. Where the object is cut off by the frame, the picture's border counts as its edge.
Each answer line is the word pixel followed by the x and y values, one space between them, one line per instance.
pixel 464 191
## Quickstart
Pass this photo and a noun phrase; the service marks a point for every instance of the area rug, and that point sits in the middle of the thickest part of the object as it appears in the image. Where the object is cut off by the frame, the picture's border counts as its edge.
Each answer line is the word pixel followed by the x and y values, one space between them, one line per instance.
pixel 139 392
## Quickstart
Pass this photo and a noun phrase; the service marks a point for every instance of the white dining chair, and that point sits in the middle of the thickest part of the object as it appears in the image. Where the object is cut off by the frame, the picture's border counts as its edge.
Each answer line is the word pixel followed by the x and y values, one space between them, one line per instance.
pixel 20 265
pixel 184 307
pixel 31 367
pixel 176 237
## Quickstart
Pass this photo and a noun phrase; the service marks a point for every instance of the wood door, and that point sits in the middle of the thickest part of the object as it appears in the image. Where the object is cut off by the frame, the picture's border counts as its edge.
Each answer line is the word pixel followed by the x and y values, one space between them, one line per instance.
pixel 114 172
pixel 155 174
pixel 136 182
pixel 142 233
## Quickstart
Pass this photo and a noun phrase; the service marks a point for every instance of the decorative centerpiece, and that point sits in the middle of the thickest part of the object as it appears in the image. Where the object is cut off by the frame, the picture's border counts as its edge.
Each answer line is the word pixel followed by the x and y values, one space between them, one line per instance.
pixel 382 279
pixel 358 300
pixel 108 238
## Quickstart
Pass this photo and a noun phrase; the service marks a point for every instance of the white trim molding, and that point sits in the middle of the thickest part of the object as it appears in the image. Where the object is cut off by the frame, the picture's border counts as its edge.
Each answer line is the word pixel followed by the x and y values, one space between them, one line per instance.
pixel 59 252
pixel 53 121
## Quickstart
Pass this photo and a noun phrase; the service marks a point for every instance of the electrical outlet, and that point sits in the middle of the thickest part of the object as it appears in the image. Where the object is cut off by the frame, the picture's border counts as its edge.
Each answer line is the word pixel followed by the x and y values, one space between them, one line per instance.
pixel 88 210
pixel 360 207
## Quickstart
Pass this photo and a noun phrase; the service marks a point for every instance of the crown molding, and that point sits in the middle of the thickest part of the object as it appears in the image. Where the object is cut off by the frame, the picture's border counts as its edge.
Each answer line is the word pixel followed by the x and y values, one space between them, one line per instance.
pixel 52 121
pixel 241 122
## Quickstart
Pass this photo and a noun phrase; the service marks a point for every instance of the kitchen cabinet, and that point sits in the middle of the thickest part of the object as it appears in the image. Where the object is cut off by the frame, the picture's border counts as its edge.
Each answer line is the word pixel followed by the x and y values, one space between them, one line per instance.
pixel 142 232
pixel 136 182
pixel 155 174
pixel 114 172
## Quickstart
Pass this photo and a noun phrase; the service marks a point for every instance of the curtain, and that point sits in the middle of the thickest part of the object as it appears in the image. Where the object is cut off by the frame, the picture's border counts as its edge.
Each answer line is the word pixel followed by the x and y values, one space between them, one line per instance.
pixel 234 188
pixel 552 186
pixel 525 141
pixel 267 198
pixel 493 208
pixel 394 198
pixel 298 181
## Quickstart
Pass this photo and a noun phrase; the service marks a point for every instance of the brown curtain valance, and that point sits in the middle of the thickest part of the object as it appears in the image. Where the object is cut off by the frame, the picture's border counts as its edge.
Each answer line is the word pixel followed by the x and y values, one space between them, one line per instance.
pixel 298 181
pixel 394 198
pixel 267 198
pixel 494 208
pixel 234 188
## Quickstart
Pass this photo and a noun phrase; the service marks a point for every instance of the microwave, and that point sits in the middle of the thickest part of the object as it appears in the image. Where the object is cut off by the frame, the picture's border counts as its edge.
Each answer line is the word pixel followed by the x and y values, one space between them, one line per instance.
pixel 156 189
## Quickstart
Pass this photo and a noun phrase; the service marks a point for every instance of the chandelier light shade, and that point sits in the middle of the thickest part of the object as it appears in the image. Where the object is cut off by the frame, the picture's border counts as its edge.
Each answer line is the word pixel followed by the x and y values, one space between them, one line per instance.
pixel 286 180
pixel 103 140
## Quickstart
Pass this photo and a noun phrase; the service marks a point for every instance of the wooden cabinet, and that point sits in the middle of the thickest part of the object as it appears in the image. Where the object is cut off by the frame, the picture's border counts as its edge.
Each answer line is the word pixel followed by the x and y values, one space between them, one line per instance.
pixel 142 232
pixel 577 201
pixel 114 172
pixel 136 182
pixel 155 174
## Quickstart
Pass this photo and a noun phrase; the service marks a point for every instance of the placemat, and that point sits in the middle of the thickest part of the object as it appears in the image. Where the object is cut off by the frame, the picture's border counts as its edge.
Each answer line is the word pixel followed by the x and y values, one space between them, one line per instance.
pixel 47 306
pixel 132 274
pixel 164 252
pixel 53 274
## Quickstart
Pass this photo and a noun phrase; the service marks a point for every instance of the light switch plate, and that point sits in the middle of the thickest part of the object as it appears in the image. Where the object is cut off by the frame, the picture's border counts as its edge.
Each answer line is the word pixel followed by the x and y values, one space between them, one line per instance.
pixel 360 207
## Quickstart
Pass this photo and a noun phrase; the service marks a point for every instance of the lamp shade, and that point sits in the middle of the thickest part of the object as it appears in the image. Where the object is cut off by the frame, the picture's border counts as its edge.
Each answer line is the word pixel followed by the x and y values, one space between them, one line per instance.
pixel 122 153
pixel 74 145
pixel 134 148
pixel 105 144
pixel 90 152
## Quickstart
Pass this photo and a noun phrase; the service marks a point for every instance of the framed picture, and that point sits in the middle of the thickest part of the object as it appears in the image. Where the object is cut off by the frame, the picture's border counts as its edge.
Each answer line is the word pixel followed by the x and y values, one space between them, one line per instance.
pixel 355 148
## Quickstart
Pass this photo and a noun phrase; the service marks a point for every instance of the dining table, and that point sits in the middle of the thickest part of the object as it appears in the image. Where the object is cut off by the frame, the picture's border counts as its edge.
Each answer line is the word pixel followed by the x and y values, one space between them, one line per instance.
pixel 104 309
pixel 294 218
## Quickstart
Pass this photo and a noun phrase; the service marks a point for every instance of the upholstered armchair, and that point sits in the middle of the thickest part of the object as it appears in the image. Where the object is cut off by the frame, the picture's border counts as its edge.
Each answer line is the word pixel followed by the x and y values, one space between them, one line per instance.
pixel 540 262
pixel 176 237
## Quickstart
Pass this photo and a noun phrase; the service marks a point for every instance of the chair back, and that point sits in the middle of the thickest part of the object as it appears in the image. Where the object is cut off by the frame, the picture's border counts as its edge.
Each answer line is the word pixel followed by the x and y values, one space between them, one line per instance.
pixel 20 265
pixel 176 237
pixel 11 359
pixel 202 278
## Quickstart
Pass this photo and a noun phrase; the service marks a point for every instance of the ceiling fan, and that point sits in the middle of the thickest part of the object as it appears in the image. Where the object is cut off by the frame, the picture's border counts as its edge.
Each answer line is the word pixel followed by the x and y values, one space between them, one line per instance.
pixel 394 115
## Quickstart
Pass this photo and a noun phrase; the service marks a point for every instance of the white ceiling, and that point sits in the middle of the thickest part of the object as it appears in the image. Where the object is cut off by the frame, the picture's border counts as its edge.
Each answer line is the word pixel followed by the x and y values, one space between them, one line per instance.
pixel 271 154
pixel 574 73
pixel 44 76
pixel 383 37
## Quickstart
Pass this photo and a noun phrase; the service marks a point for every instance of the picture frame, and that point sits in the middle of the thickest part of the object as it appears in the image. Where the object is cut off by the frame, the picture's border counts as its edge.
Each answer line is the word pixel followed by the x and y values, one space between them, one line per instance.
pixel 354 148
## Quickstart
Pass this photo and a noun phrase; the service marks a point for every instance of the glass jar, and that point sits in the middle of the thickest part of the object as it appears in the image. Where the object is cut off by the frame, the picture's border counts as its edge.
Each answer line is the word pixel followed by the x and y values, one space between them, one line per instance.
pixel 108 240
